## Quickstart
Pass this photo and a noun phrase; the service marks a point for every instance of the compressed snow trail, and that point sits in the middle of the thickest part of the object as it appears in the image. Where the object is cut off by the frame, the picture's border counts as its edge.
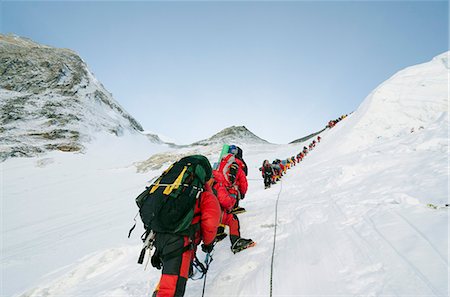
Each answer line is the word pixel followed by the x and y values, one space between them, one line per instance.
pixel 274 239
pixel 340 240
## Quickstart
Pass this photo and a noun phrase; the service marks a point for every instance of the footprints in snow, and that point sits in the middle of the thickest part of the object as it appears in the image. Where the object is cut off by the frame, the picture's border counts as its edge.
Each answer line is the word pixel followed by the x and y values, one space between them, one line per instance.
pixel 267 225
pixel 240 273
pixel 89 268
pixel 367 281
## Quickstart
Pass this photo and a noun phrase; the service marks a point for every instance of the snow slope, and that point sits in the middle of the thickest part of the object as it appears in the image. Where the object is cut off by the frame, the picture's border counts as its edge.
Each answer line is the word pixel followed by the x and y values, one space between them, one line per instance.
pixel 353 218
pixel 61 206
pixel 413 99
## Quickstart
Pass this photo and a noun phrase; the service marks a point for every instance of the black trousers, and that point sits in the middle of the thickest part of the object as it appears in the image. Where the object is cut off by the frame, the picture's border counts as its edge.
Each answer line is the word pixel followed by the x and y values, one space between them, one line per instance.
pixel 267 179
pixel 175 266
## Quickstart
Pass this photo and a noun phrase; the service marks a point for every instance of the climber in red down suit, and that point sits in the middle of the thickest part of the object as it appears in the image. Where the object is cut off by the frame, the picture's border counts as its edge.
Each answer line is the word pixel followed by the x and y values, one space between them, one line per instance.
pixel 229 184
pixel 176 253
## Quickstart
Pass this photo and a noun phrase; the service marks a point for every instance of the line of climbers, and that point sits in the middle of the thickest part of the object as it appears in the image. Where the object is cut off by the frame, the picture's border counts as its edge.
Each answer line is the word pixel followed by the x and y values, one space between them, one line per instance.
pixel 190 203
pixel 333 123
pixel 272 172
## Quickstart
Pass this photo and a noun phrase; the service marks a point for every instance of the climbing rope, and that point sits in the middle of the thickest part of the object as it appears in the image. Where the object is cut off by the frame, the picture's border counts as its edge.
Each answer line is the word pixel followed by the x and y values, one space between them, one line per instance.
pixel 274 237
pixel 202 268
pixel 208 261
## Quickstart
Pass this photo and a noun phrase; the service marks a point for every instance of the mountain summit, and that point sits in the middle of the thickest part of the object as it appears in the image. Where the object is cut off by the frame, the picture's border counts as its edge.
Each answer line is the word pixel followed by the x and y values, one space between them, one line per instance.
pixel 49 100
pixel 234 135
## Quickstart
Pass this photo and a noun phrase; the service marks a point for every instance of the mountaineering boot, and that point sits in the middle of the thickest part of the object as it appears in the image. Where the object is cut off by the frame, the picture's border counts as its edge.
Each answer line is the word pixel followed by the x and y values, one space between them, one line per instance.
pixel 220 237
pixel 220 233
pixel 241 244
pixel 238 210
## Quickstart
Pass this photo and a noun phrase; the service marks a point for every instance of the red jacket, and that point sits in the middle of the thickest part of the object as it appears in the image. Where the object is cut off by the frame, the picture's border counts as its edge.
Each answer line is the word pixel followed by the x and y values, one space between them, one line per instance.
pixel 207 213
pixel 241 180
pixel 226 201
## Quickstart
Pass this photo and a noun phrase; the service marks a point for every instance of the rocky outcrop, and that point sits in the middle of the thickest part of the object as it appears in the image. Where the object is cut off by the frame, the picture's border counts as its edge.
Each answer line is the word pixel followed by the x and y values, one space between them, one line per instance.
pixel 49 100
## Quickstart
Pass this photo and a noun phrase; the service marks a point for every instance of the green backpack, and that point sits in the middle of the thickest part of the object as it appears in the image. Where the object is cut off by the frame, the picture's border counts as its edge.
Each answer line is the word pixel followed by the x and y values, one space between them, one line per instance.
pixel 167 206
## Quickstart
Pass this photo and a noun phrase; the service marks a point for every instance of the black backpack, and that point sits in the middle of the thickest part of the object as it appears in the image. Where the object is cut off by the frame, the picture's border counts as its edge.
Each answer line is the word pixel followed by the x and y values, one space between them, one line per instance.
pixel 167 206
pixel 239 156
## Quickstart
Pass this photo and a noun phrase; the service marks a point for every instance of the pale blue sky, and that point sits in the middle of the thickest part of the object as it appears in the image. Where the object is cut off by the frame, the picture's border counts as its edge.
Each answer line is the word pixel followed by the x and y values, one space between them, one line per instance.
pixel 283 69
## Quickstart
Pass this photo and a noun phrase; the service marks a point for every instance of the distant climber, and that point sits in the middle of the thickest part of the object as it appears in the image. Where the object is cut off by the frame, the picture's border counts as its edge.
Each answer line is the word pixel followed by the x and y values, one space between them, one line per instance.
pixel 267 174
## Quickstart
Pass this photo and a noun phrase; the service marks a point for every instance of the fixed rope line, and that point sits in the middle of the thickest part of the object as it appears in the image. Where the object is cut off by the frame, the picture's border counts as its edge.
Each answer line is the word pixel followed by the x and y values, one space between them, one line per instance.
pixel 274 237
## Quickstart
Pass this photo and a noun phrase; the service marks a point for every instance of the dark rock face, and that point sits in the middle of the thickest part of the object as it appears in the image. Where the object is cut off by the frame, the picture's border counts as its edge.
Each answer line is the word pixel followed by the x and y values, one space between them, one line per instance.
pixel 35 70
pixel 49 100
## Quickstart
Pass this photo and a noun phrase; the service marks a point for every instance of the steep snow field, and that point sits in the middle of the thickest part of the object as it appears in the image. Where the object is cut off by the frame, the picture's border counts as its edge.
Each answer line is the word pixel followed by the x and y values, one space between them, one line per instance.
pixel 57 208
pixel 353 217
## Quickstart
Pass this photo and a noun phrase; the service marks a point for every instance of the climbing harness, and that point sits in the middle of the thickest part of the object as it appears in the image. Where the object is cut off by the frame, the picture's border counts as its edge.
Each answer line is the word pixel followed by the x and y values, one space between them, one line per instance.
pixel 202 268
pixel 274 237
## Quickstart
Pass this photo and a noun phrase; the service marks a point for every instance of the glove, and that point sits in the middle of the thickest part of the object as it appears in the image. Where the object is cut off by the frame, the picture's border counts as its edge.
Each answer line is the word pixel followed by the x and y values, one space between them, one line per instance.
pixel 156 261
pixel 207 248
pixel 242 196
pixel 221 229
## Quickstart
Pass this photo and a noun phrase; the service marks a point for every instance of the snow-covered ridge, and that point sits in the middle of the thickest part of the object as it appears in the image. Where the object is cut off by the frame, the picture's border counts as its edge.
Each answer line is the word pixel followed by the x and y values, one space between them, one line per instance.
pixel 154 138
pixel 233 134
pixel 14 40
pixel 413 99
pixel 305 138
pixel 50 100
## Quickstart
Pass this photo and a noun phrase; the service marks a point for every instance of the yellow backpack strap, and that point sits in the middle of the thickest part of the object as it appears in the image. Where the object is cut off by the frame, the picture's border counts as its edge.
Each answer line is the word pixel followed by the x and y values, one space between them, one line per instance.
pixel 156 184
pixel 155 187
pixel 176 184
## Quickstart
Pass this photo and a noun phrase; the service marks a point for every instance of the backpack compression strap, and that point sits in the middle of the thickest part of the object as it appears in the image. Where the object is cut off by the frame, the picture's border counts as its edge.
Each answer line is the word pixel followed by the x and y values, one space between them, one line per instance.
pixel 176 184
